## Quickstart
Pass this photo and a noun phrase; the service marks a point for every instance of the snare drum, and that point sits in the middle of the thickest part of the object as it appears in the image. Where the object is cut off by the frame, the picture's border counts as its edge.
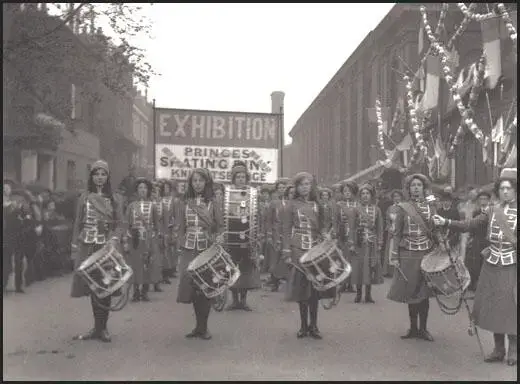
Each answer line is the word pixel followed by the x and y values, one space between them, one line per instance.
pixel 325 265
pixel 105 271
pixel 444 276
pixel 213 271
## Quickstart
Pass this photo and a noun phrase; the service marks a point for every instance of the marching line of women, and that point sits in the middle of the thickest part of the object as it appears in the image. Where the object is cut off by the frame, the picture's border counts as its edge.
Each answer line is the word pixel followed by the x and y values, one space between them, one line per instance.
pixel 217 237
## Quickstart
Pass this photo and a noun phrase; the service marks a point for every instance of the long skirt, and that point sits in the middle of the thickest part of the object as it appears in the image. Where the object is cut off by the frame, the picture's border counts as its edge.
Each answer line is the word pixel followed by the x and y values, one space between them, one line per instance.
pixel 146 264
pixel 278 268
pixel 170 256
pixel 366 266
pixel 187 289
pixel 249 272
pixel 80 286
pixel 474 261
pixel 388 270
pixel 415 289
pixel 495 306
pixel 298 287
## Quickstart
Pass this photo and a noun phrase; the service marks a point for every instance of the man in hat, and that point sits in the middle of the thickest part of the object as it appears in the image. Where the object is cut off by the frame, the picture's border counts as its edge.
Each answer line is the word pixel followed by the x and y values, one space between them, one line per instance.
pixel 495 307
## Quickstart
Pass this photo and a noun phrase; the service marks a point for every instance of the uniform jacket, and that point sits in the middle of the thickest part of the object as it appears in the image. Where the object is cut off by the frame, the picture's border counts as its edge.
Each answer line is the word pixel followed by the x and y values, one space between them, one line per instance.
pixel 502 248
pixel 197 223
pixel 97 219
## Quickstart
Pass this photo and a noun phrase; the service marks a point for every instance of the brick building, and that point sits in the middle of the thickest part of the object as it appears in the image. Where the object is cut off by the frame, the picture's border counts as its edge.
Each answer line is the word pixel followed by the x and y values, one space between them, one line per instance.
pixel 335 140
pixel 59 116
pixel 142 120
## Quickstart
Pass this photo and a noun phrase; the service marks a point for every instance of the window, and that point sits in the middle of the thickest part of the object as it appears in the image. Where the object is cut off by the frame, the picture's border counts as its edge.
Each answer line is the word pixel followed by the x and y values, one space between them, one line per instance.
pixel 71 175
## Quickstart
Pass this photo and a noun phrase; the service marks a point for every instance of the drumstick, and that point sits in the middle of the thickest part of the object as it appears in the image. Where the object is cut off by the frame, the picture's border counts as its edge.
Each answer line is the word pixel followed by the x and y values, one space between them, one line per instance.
pixel 401 272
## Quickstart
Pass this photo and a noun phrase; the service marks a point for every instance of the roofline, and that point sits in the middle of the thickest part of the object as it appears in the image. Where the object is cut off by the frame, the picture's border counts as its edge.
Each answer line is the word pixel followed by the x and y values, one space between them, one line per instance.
pixel 397 10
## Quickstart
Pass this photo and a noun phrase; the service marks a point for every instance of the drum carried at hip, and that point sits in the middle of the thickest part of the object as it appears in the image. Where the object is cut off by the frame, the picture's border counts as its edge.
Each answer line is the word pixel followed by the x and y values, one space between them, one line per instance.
pixel 213 271
pixel 445 275
pixel 325 266
pixel 105 271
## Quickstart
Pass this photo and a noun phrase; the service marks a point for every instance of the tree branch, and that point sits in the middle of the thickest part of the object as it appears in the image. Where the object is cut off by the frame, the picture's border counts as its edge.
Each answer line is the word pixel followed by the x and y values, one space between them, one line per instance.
pixel 28 39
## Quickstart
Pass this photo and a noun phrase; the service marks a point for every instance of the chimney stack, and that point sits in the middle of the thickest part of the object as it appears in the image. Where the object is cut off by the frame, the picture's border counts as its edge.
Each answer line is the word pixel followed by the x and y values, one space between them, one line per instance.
pixel 277 102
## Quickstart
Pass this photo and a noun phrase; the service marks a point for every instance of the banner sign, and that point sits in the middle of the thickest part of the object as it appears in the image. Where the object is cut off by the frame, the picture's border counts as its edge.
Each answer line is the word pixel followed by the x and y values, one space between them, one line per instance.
pixel 188 139
pixel 215 128
pixel 178 161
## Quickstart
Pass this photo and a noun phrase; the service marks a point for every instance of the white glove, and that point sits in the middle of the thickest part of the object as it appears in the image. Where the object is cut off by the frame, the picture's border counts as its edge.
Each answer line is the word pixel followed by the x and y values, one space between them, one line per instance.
pixel 38 230
pixel 439 221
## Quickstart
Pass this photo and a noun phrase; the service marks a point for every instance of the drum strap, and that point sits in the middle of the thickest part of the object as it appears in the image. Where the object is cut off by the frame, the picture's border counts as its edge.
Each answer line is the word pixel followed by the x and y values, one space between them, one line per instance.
pixel 503 225
pixel 416 217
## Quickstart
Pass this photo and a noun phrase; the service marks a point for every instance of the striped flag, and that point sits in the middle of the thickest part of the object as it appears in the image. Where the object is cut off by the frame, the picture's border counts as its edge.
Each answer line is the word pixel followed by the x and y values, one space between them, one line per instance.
pixel 433 73
pixel 491 41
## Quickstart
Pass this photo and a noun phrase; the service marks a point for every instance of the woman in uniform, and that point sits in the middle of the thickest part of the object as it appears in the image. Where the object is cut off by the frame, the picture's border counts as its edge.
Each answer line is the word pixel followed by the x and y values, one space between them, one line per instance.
pixel 413 238
pixel 495 307
pixel 198 223
pixel 303 227
pixel 244 257
pixel 345 208
pixel 142 234
pixel 169 196
pixel 98 222
pixel 273 230
pixel 367 232
pixel 397 196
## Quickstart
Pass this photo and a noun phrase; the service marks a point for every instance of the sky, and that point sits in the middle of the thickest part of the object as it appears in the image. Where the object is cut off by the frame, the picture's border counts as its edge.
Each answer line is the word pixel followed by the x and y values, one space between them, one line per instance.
pixel 231 57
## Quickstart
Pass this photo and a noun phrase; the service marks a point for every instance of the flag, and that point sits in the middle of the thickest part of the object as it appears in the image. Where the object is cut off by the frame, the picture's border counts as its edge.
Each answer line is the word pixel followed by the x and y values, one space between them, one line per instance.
pixel 511 161
pixel 420 50
pixel 433 73
pixel 405 144
pixel 497 133
pixel 464 82
pixel 487 150
pixel 491 40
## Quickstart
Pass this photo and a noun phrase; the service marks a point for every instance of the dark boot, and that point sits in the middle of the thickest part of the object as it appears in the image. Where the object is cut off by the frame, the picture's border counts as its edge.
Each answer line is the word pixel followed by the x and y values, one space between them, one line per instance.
pixel 499 351
pixel 359 292
pixel 512 349
pixel 205 309
pixel 165 276
pixel 94 332
pixel 304 329
pixel 137 294
pixel 349 288
pixel 424 309
pixel 104 314
pixel 275 284
pixel 144 292
pixel 313 327
pixel 157 288
pixel 413 313
pixel 236 303
pixel 196 330
pixel 368 294
pixel 243 301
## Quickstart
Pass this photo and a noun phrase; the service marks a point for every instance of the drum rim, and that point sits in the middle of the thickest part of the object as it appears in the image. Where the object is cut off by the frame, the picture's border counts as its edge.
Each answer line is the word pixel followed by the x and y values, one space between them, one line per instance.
pixel 94 256
pixel 332 245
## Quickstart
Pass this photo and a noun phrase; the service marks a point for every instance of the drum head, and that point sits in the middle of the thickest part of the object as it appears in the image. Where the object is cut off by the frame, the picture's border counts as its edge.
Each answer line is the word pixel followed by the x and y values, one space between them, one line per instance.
pixel 318 251
pixel 435 261
pixel 93 258
pixel 203 258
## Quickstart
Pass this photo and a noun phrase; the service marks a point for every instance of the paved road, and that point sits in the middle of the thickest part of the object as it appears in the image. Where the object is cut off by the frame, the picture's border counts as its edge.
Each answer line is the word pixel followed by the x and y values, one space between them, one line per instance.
pixel 361 342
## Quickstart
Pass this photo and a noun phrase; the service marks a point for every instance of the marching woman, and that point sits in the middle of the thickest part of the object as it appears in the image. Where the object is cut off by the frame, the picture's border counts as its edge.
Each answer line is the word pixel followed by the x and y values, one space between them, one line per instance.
pixel 327 205
pixel 273 230
pixel 413 238
pixel 263 203
pixel 279 269
pixel 157 198
pixel 219 193
pixel 168 192
pixel 244 257
pixel 98 222
pixel 495 307
pixel 345 208
pixel 303 226
pixel 142 234
pixel 367 233
pixel 397 196
pixel 198 223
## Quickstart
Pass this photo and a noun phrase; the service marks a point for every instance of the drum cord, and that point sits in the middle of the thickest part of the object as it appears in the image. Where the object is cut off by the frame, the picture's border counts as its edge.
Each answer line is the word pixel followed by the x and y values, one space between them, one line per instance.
pixel 444 307
pixel 120 304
